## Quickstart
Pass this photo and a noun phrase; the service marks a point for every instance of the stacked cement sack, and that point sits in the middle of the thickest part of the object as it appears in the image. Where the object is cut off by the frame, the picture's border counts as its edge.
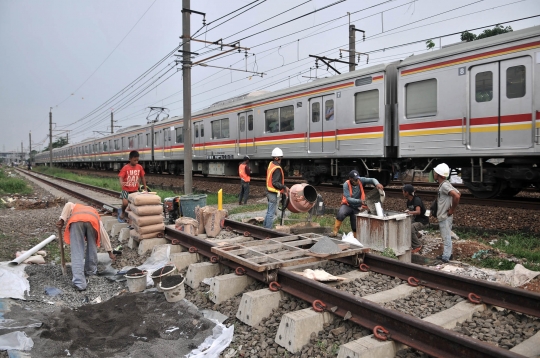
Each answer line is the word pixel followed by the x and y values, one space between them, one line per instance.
pixel 210 220
pixel 146 216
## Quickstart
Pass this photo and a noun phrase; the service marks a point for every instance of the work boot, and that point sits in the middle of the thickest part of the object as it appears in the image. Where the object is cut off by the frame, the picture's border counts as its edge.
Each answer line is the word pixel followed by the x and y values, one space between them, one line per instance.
pixel 337 225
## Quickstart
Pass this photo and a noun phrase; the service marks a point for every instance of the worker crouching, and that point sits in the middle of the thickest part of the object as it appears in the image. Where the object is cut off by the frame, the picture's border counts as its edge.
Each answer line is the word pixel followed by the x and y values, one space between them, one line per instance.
pixel 83 224
pixel 353 200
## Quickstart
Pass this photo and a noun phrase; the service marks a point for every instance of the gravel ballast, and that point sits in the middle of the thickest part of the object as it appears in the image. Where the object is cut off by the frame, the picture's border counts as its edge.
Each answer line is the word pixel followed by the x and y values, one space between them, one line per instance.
pixel 371 284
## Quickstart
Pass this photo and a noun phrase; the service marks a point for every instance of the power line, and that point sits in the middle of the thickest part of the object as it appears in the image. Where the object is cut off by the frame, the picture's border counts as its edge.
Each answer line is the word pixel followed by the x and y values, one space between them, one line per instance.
pixel 105 60
pixel 230 13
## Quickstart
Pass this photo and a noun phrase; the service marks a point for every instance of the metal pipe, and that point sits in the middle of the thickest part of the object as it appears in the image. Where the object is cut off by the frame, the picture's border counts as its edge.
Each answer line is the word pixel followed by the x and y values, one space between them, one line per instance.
pixel 32 251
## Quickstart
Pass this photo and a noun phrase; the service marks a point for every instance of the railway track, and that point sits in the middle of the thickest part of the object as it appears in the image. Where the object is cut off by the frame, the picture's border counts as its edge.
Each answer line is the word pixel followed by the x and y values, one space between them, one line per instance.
pixel 387 324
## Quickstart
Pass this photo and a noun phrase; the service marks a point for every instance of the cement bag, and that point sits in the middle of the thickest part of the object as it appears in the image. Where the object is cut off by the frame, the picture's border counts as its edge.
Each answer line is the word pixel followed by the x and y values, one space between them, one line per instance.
pixel 139 199
pixel 150 228
pixel 212 221
pixel 138 237
pixel 146 210
pixel 200 219
pixel 145 220
pixel 188 225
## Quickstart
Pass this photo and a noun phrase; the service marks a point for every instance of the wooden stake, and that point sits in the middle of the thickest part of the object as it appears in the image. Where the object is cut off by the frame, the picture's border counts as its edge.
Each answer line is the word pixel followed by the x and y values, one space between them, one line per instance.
pixel 62 257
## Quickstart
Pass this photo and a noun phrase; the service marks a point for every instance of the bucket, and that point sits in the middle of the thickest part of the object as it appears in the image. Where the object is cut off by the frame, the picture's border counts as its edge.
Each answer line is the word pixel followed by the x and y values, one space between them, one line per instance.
pixel 162 272
pixel 189 202
pixel 136 280
pixel 174 288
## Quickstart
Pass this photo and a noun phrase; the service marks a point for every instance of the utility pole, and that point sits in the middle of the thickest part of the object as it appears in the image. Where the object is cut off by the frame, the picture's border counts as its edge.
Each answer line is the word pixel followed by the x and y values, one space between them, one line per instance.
pixel 50 138
pixel 352 47
pixel 112 122
pixel 22 151
pixel 30 141
pixel 67 137
pixel 186 73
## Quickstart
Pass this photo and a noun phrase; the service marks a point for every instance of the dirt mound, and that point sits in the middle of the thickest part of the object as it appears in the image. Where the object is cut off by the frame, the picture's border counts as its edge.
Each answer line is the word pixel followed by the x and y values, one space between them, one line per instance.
pixel 111 328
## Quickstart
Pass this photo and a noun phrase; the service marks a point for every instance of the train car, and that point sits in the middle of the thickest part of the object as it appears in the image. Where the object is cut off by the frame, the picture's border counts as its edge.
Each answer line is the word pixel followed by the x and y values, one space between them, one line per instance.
pixel 475 106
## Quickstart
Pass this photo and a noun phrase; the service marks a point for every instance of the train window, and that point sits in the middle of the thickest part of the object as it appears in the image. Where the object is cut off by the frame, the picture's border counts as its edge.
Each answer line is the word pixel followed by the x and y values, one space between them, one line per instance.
pixel 315 112
pixel 421 98
pixel 116 144
pixel 196 131
pixel 147 139
pixel 104 146
pixel 286 119
pixel 170 135
pixel 202 130
pixel 271 119
pixel 130 142
pixel 250 122
pixel 220 128
pixel 484 86
pixel 515 81
pixel 366 106
pixel 329 110
pixel 140 141
pixel 123 143
pixel 242 122
pixel 155 138
pixel 180 135
pixel 363 81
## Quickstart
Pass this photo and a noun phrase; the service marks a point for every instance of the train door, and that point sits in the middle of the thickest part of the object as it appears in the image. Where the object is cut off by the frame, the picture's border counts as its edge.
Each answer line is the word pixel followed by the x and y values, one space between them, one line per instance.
pixel 246 137
pixel 167 142
pixel 500 105
pixel 198 139
pixel 322 125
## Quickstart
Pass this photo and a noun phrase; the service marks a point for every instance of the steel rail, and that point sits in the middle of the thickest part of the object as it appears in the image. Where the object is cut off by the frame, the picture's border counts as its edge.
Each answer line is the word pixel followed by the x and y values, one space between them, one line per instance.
pixel 412 331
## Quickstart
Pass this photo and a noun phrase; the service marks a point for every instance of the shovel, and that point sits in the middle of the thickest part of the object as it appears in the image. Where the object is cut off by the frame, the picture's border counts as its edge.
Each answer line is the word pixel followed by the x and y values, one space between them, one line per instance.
pixel 62 257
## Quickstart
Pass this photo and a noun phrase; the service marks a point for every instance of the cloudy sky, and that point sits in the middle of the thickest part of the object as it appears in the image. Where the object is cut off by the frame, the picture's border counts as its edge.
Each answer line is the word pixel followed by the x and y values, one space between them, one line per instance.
pixel 76 56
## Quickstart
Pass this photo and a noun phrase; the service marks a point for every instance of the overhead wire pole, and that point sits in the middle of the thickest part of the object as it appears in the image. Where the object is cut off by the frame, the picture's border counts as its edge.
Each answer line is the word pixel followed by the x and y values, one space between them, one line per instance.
pixel 50 138
pixel 30 144
pixel 186 85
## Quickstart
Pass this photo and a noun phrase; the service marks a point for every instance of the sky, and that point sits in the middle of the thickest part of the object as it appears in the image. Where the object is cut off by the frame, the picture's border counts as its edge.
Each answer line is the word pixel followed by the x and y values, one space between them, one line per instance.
pixel 87 58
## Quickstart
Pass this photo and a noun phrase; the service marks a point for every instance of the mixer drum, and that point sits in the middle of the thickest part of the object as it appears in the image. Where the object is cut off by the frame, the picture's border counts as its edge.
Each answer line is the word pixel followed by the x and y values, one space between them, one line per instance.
pixel 302 197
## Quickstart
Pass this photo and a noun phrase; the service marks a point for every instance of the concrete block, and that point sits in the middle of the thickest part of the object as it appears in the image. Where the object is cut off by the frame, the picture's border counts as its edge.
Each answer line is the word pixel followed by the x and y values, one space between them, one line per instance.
pixel 406 257
pixel 115 230
pixel 109 224
pixel 529 347
pixel 106 219
pixel 133 244
pixel 148 244
pixel 296 327
pixel 227 286
pixel 124 235
pixel 199 271
pixel 183 259
pixel 173 249
pixel 393 294
pixel 369 347
pixel 257 305
pixel 458 313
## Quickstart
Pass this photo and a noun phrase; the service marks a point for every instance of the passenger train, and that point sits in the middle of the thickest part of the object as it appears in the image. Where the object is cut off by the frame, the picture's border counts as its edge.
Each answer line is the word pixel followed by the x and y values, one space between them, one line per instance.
pixel 474 106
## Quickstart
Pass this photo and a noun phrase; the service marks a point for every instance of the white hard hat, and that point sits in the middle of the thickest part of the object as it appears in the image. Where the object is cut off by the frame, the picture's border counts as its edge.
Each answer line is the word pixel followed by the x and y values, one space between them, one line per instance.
pixel 442 169
pixel 277 153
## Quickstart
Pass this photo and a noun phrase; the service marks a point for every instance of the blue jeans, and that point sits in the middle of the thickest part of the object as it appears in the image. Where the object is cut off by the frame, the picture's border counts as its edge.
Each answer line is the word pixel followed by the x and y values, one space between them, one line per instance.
pixel 445 226
pixel 271 212
pixel 348 211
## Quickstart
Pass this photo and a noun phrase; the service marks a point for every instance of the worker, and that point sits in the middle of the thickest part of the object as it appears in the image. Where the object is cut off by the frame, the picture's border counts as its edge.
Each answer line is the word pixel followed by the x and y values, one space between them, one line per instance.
pixel 83 224
pixel 447 202
pixel 275 183
pixel 416 208
pixel 129 176
pixel 245 177
pixel 353 200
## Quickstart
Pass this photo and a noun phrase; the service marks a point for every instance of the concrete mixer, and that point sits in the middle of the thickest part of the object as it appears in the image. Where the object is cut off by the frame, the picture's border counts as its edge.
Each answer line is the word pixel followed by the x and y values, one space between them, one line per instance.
pixel 301 199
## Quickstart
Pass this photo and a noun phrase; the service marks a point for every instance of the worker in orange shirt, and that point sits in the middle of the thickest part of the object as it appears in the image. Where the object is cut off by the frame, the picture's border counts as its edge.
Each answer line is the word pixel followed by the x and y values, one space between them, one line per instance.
pixel 245 177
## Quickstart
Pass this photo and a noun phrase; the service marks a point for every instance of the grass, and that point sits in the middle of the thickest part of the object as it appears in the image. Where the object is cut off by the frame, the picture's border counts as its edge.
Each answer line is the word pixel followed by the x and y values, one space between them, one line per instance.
pixel 248 208
pixel 326 220
pixel 114 184
pixel 9 185
pixel 524 247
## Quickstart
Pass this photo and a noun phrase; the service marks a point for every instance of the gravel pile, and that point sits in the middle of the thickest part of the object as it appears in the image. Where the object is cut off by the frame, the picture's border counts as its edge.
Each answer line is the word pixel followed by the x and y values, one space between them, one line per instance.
pixel 42 276
pixel 506 329
pixel 424 302
pixel 373 283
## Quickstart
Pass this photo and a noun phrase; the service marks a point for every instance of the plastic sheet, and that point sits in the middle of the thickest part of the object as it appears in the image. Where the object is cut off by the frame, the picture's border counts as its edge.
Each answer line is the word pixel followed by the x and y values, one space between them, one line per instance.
pixel 159 257
pixel 351 239
pixel 53 291
pixel 16 340
pixel 13 324
pixel 215 344
pixel 13 282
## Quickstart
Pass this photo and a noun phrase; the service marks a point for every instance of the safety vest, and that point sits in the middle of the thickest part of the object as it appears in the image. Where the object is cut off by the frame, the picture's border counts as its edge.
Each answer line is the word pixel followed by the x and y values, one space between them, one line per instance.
pixel 271 168
pixel 83 213
pixel 362 194
pixel 242 173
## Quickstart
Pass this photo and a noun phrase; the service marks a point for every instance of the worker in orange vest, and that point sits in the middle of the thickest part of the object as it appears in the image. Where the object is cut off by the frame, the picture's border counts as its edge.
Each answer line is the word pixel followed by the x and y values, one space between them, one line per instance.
pixel 245 177
pixel 275 183
pixel 83 224
pixel 353 200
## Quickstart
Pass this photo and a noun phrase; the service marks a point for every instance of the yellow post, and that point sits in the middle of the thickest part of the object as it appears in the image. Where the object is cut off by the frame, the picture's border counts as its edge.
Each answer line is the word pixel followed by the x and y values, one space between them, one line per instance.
pixel 220 199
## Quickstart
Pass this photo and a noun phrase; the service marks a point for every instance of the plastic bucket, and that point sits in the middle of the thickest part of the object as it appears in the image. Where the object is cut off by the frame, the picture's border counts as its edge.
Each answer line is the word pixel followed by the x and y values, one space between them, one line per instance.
pixel 136 283
pixel 176 292
pixel 189 202
pixel 158 275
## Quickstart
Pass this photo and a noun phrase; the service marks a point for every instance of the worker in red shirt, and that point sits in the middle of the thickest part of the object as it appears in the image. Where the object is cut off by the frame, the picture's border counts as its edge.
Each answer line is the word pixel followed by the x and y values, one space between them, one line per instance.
pixel 245 177
pixel 130 176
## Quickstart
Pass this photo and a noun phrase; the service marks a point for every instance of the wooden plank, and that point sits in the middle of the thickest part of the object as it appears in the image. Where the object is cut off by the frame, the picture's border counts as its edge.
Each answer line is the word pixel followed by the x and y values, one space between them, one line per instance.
pixel 289 255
